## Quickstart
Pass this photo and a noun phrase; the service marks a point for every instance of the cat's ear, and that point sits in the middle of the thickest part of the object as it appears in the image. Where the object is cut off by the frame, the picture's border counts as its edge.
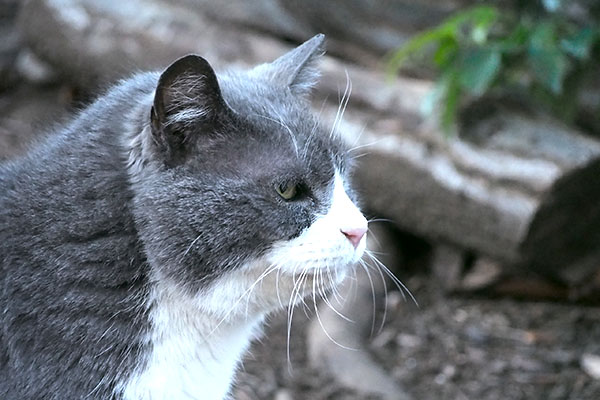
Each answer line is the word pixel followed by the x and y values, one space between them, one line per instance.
pixel 187 100
pixel 297 69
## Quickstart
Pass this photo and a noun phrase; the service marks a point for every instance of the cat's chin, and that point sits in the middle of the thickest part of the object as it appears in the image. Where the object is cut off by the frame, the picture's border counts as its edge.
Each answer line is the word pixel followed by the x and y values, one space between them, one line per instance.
pixel 260 287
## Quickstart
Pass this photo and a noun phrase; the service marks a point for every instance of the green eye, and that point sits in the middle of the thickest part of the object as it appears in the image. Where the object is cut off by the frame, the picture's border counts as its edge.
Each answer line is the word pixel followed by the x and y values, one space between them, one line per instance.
pixel 287 191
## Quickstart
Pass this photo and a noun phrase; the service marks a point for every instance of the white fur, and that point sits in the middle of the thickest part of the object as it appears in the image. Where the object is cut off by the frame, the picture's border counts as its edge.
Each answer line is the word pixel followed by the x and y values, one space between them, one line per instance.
pixel 198 339
pixel 187 116
pixel 190 359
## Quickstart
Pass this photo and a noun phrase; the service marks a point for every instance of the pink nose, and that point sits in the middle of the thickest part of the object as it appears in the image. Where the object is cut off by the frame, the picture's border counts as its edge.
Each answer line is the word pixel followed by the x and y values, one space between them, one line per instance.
pixel 354 235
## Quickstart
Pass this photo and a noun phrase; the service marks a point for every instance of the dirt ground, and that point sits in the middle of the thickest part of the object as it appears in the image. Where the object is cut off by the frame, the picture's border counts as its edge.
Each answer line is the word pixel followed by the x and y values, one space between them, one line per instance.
pixel 446 348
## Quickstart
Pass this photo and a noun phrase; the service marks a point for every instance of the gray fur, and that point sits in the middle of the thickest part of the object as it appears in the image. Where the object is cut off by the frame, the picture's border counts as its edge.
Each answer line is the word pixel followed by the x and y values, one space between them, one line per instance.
pixel 138 187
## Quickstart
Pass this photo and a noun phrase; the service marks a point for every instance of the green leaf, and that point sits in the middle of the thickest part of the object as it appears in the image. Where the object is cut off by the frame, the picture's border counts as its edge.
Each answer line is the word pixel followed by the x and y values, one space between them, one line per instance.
pixel 543 35
pixel 580 44
pixel 480 67
pixel 515 41
pixel 549 68
pixel 447 33
pixel 445 52
pixel 480 16
pixel 443 101
pixel 416 45
pixel 548 63
pixel 450 105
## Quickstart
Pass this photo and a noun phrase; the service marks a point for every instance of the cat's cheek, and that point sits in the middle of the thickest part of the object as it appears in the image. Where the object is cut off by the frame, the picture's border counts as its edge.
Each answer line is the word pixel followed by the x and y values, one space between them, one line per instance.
pixel 334 241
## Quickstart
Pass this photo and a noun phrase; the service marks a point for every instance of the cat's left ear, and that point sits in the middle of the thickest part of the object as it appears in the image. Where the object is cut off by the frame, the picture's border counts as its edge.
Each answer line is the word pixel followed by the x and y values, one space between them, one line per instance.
pixel 297 69
pixel 187 103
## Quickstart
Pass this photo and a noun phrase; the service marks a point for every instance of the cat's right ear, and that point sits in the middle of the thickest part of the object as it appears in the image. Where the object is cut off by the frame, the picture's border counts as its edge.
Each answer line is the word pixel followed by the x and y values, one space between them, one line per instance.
pixel 297 69
pixel 187 100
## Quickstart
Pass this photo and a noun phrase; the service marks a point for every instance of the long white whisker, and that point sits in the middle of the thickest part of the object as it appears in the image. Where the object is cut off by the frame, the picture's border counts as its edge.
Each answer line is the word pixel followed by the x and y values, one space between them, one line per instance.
pixel 403 289
pixel 380 220
pixel 321 321
pixel 362 146
pixel 357 139
pixel 277 288
pixel 323 295
pixel 334 289
pixel 258 280
pixel 246 292
pixel 385 294
pixel 361 155
pixel 295 292
pixel 313 132
pixel 373 299
pixel 342 106
pixel 286 127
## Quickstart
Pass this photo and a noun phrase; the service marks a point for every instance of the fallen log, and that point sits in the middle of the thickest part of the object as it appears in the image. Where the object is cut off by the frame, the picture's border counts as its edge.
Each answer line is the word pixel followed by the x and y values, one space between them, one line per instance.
pixel 95 42
pixel 359 30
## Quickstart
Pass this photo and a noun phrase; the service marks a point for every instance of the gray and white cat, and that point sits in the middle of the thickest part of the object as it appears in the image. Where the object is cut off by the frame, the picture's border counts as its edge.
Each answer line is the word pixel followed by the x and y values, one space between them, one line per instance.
pixel 142 245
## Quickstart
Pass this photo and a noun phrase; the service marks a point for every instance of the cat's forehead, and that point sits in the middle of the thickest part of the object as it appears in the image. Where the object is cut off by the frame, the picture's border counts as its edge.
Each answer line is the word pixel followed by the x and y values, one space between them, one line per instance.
pixel 276 117
pixel 250 96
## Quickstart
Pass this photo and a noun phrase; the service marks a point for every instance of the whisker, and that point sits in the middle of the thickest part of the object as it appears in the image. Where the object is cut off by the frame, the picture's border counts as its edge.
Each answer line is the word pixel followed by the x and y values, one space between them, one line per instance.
pixel 247 291
pixel 321 321
pixel 385 300
pixel 287 128
pixel 334 289
pixel 372 297
pixel 295 292
pixel 362 146
pixel 356 140
pixel 342 106
pixel 381 220
pixel 361 155
pixel 277 288
pixel 313 131
pixel 401 287
pixel 323 295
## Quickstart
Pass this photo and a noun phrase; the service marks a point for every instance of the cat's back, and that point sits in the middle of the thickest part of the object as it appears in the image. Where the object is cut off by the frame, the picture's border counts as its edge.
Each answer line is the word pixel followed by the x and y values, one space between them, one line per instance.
pixel 71 263
pixel 74 169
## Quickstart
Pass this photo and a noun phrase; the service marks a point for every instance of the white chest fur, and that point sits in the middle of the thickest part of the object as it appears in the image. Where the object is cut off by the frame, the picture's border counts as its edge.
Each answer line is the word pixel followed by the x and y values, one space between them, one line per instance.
pixel 189 358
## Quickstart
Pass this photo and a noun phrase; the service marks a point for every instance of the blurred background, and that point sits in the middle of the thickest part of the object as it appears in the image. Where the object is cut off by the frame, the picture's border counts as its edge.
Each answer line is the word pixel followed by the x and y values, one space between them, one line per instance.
pixel 476 128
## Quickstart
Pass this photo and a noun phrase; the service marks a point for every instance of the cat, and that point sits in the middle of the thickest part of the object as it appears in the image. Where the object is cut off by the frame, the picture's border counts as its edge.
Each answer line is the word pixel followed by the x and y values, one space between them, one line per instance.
pixel 143 244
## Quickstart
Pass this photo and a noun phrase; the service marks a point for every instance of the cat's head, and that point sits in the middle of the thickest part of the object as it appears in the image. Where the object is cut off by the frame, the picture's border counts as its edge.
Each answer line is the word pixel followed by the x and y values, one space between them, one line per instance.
pixel 241 191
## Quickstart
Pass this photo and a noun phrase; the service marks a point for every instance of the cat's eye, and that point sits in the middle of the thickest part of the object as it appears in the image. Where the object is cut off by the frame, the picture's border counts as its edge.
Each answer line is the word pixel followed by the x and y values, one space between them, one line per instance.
pixel 287 191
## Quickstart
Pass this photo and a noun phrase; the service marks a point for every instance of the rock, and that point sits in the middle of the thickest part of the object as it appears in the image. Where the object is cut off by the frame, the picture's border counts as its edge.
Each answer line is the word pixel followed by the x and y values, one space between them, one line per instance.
pixel 283 394
pixel 590 363
pixel 483 273
pixel 33 69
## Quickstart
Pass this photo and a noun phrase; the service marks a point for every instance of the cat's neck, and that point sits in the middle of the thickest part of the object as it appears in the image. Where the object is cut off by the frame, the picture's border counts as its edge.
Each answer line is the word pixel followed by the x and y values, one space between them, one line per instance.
pixel 194 355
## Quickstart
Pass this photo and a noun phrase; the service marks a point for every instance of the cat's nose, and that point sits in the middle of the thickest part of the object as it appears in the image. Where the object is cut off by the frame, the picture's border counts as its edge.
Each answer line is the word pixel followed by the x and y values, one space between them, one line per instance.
pixel 354 235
